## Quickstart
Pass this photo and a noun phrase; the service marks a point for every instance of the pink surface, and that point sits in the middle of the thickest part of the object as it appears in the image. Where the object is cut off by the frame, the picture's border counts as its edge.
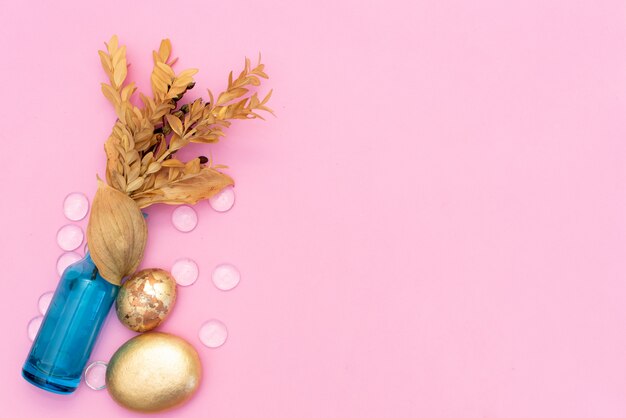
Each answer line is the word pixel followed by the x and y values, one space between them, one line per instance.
pixel 434 225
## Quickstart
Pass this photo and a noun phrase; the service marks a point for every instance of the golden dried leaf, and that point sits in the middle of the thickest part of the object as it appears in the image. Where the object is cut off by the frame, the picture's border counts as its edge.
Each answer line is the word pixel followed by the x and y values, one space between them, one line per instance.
pixel 175 124
pixel 193 166
pixel 187 189
pixel 229 95
pixel 153 168
pixel 134 185
pixel 165 49
pixel 173 162
pixel 111 94
pixel 105 60
pixel 116 233
pixel 113 160
pixel 177 142
pixel 119 67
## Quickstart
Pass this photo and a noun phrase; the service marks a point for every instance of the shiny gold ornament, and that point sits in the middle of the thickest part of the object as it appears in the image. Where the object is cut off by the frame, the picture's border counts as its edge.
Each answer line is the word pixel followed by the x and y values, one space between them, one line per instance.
pixel 145 300
pixel 153 372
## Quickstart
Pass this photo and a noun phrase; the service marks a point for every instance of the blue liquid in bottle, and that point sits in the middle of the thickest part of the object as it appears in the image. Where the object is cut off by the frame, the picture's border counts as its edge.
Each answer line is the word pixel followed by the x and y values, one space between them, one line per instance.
pixel 70 328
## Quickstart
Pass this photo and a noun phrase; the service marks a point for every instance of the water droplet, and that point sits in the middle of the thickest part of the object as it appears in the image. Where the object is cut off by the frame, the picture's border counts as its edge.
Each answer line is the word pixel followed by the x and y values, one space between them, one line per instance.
pixel 185 271
pixel 75 206
pixel 70 237
pixel 33 327
pixel 226 276
pixel 184 218
pixel 65 260
pixel 213 333
pixel 44 302
pixel 95 375
pixel 224 200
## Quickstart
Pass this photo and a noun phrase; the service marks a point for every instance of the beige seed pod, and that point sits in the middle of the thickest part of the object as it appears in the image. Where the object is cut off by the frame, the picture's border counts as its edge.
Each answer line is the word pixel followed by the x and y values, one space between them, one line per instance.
pixel 116 233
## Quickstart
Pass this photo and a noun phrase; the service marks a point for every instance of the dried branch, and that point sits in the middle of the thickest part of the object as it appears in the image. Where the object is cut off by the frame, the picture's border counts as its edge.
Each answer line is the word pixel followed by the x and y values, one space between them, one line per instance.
pixel 144 140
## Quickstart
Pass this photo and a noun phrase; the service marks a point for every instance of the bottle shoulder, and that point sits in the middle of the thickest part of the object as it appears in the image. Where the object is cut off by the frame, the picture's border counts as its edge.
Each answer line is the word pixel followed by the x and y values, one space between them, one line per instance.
pixel 85 269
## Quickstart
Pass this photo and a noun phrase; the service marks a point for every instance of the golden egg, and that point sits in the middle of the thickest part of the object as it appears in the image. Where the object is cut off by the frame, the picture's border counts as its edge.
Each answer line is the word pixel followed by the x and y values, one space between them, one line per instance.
pixel 146 299
pixel 153 372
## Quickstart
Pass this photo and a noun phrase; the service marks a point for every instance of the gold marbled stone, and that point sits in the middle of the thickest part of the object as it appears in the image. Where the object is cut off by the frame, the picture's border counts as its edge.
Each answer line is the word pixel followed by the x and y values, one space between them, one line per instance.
pixel 145 299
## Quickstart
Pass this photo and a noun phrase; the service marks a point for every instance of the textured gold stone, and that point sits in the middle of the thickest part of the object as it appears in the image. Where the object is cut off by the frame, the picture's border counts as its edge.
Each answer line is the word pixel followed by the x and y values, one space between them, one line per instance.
pixel 153 372
pixel 145 300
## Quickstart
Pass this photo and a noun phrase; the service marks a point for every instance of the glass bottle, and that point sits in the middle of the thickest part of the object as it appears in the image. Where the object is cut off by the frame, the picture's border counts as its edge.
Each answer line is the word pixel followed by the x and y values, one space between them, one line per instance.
pixel 70 328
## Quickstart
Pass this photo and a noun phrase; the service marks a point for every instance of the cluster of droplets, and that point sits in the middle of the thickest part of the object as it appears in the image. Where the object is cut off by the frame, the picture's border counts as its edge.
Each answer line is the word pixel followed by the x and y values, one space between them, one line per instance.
pixel 213 333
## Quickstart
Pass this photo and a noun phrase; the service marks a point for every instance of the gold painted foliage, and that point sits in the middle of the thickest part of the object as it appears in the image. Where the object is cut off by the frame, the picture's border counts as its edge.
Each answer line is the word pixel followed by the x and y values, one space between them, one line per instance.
pixel 141 150
pixel 116 233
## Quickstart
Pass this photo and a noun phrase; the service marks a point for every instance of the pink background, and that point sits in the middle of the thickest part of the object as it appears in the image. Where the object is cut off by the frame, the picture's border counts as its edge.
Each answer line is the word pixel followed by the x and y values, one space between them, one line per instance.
pixel 433 226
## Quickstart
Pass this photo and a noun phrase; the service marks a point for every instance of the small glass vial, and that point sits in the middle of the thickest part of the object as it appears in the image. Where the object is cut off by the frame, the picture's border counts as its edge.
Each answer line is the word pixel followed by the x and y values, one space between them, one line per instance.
pixel 70 328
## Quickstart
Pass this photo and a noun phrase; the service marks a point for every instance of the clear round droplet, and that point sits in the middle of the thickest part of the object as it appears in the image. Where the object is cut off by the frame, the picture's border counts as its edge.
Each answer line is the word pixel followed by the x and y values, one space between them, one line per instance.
pixel 213 333
pixel 184 218
pixel 185 271
pixel 226 276
pixel 70 237
pixel 44 302
pixel 65 260
pixel 224 200
pixel 75 206
pixel 95 375
pixel 33 327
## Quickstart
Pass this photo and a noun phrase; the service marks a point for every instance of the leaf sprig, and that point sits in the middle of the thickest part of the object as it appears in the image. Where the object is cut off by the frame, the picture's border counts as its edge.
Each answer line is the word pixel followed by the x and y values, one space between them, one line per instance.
pixel 141 149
